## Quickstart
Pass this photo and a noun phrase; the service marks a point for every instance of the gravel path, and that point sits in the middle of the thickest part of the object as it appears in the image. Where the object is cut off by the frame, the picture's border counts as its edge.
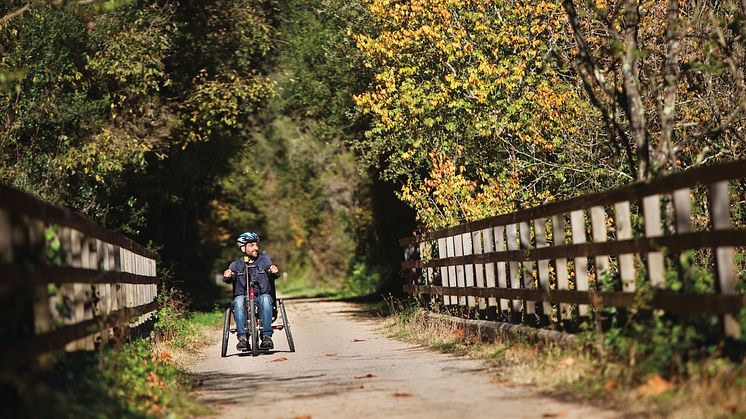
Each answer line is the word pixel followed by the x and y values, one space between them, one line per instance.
pixel 345 367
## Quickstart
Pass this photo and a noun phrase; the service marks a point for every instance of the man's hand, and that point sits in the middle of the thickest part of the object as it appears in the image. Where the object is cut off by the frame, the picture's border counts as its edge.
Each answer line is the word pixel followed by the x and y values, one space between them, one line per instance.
pixel 228 273
pixel 273 269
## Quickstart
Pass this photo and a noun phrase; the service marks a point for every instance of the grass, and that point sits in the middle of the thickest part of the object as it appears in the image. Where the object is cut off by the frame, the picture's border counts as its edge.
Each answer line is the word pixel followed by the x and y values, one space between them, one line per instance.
pixel 359 280
pixel 298 286
pixel 137 379
pixel 713 387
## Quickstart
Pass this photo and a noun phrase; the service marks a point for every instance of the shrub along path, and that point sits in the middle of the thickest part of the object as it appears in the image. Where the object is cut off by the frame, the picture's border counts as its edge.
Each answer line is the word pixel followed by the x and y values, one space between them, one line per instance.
pixel 345 367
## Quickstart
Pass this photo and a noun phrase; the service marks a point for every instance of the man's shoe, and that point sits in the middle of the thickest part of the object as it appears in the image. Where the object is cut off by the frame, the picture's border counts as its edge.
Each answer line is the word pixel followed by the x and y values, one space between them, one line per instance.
pixel 242 345
pixel 267 343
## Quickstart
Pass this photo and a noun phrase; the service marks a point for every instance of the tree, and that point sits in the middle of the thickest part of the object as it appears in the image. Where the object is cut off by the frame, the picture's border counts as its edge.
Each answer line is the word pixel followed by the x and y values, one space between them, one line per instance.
pixel 664 90
pixel 473 86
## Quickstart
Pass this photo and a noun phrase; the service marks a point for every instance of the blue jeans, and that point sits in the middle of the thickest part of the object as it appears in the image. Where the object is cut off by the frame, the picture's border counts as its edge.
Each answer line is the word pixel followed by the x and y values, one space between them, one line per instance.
pixel 264 302
pixel 265 313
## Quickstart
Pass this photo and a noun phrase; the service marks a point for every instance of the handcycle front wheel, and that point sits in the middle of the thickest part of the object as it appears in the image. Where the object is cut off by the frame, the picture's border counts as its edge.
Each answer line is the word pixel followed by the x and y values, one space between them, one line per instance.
pixel 251 307
pixel 226 332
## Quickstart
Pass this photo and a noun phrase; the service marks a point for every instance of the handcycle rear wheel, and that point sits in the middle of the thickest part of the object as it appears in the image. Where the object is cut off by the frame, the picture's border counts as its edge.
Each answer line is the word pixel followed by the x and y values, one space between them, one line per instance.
pixel 253 328
pixel 226 332
pixel 286 325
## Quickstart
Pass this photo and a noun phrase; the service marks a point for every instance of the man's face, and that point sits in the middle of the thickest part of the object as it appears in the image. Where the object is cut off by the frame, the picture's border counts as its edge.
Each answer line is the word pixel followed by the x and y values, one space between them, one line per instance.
pixel 251 249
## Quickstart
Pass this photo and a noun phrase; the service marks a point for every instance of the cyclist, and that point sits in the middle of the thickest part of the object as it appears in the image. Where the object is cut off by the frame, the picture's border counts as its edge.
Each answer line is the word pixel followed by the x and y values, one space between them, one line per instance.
pixel 262 274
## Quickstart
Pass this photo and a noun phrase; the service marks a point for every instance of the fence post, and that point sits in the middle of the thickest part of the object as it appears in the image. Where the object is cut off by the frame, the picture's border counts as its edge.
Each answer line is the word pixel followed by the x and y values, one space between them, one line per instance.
pixel 442 254
pixel 528 266
pixel 469 268
pixel 724 266
pixel 651 208
pixel 514 267
pixel 452 280
pixel 598 228
pixel 74 291
pixel 540 233
pixel 563 282
pixel 488 235
pixel 502 274
pixel 478 245
pixel 624 232
pixel 577 220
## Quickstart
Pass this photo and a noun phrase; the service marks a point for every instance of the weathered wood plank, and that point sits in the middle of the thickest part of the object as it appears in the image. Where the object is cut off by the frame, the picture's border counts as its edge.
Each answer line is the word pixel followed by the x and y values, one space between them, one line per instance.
pixel 514 267
pixel 442 254
pixel 488 235
pixel 622 219
pixel 675 303
pixel 682 204
pixel 13 354
pixel 452 280
pixel 502 268
pixel 577 222
pixel 599 234
pixel 18 202
pixel 540 233
pixel 651 208
pixel 478 246
pixel 694 240
pixel 725 268
pixel 527 266
pixel 563 282
pixel 468 246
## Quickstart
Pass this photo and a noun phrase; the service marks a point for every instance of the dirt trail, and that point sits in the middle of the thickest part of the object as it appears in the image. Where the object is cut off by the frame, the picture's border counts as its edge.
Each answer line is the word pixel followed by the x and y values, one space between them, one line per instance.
pixel 345 367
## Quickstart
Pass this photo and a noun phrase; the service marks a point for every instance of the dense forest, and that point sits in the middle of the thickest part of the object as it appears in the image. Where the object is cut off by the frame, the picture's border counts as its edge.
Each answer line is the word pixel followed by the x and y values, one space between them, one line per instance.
pixel 334 127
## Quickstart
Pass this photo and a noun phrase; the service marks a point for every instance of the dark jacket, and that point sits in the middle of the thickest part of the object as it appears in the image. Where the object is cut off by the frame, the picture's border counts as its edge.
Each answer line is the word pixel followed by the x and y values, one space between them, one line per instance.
pixel 259 274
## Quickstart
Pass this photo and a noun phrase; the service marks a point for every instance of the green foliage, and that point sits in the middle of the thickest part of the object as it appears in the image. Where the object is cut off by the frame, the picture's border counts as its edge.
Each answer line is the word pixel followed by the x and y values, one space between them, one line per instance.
pixel 130 382
pixel 222 103
pixel 361 280
pixel 467 111
pixel 175 324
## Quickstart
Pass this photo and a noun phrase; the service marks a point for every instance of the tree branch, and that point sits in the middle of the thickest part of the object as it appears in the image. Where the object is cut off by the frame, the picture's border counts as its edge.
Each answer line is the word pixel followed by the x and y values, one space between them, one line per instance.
pixel 665 153
pixel 15 13
pixel 635 110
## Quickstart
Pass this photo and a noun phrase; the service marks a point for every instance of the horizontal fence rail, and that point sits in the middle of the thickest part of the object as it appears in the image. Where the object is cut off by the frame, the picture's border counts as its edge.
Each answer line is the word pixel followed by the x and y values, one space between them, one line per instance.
pixel 66 282
pixel 667 244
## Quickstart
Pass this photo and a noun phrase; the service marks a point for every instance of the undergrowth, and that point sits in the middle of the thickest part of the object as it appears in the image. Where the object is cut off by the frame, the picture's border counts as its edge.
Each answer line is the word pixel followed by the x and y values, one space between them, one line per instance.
pixel 138 378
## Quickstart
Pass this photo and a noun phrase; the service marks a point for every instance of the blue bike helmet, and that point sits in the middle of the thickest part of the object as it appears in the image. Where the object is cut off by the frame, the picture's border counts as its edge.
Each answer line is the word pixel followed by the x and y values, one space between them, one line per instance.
pixel 248 237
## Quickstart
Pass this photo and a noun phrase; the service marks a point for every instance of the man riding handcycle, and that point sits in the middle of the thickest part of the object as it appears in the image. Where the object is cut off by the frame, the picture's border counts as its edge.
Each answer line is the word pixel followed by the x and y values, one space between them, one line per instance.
pixel 253 304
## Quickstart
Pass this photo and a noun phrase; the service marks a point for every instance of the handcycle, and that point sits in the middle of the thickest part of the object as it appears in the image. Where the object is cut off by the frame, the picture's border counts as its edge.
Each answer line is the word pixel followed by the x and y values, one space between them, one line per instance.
pixel 254 325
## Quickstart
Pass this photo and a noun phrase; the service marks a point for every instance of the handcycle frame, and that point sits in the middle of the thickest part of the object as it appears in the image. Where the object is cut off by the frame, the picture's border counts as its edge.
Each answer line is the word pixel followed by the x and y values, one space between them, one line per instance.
pixel 252 318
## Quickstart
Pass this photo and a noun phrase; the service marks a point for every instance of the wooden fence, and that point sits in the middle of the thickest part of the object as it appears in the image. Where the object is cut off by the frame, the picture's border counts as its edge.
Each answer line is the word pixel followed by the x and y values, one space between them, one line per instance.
pixel 66 282
pixel 656 243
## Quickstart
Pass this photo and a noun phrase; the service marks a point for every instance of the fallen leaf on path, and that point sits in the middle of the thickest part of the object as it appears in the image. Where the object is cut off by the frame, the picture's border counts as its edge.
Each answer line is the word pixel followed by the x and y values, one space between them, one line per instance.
pixel 611 385
pixel 554 415
pixel 280 359
pixel 567 362
pixel 655 386
pixel 368 375
pixel 358 340
pixel 302 417
pixel 330 354
pixel 402 394
pixel 163 356
pixel 361 386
